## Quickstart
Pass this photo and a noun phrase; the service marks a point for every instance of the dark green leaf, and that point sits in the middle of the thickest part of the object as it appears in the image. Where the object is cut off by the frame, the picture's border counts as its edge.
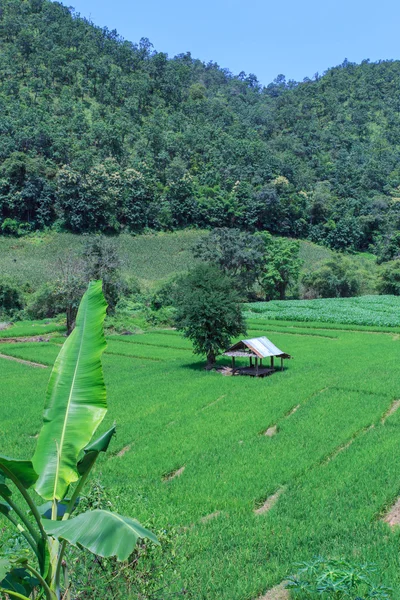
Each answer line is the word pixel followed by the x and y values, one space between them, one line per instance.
pixel 93 450
pixel 19 469
pixel 4 489
pixel 102 532
pixel 43 557
pixel 4 508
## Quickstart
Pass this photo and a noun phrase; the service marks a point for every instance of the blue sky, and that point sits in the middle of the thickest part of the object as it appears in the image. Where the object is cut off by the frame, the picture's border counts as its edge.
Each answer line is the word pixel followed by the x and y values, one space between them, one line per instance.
pixel 295 38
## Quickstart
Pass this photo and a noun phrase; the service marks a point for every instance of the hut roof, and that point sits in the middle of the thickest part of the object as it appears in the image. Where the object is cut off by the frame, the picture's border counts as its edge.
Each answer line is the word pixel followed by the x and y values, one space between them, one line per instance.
pixel 260 347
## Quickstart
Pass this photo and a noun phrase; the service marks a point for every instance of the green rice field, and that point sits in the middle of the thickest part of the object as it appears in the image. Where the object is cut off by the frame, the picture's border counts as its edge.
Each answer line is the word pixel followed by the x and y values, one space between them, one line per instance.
pixel 334 457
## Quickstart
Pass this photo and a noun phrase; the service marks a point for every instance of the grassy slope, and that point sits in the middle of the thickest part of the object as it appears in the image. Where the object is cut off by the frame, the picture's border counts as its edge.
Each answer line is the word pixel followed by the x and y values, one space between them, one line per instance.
pixel 151 258
pixel 344 382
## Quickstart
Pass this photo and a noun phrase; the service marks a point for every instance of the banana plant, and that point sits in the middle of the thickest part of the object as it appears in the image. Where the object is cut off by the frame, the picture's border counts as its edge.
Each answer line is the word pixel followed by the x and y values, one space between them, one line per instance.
pixel 65 454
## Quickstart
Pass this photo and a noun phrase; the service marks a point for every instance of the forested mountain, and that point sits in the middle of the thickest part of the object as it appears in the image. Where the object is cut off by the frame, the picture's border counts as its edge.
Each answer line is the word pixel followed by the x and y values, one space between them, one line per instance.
pixel 99 134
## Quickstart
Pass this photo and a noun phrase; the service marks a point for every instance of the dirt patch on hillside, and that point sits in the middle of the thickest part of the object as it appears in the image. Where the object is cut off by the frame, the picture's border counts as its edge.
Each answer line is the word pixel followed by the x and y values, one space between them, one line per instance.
pixel 4 326
pixel 23 362
pixel 210 517
pixel 347 444
pixel 124 450
pixel 214 402
pixel 339 450
pixel 271 431
pixel 16 340
pixel 393 516
pixel 269 503
pixel 279 592
pixel 392 409
pixel 293 410
pixel 174 474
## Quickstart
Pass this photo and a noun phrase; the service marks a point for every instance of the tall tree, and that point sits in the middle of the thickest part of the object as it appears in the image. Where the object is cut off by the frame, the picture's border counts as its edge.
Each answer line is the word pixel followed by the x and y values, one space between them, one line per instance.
pixel 236 253
pixel 209 311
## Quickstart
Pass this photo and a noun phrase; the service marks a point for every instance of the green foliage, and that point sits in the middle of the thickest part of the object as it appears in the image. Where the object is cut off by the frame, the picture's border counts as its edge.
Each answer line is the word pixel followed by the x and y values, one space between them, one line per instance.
pixel 281 266
pixel 98 259
pixel 336 579
pixel 101 260
pixel 208 310
pixel 9 227
pixel 389 282
pixel 236 253
pixel 11 301
pixel 61 295
pixel 166 293
pixel 65 454
pixel 164 143
pixel 388 247
pixel 336 278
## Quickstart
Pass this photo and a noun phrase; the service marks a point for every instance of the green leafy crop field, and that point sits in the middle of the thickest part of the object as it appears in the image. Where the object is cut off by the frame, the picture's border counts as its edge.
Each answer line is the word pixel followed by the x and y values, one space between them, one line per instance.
pixel 333 458
pixel 376 311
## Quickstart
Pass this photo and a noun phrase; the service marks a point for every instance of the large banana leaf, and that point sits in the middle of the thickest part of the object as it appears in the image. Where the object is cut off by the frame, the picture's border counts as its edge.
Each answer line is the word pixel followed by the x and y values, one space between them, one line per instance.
pixel 75 399
pixel 102 532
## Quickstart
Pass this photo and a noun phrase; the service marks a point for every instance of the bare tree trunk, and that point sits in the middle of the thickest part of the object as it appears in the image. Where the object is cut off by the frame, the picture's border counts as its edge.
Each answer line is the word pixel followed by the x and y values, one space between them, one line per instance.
pixel 70 320
pixel 210 360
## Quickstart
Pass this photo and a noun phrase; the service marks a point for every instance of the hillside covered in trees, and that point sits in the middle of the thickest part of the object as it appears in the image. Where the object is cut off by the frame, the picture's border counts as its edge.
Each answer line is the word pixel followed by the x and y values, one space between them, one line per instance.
pixel 100 134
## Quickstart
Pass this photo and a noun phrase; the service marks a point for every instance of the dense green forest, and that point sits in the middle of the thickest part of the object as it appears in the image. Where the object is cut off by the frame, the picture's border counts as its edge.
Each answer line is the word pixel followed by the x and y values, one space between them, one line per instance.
pixel 100 134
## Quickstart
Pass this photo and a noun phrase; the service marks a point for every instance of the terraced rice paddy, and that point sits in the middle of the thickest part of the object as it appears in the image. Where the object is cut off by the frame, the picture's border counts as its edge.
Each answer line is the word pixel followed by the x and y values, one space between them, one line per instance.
pixel 246 506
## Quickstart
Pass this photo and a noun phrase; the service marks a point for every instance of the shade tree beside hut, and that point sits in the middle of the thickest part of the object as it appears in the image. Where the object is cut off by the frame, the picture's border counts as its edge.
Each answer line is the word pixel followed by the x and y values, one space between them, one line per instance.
pixel 209 311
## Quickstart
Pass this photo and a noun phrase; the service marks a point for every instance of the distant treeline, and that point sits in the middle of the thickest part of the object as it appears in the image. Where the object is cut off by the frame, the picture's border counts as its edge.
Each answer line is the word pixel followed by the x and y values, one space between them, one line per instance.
pixel 99 134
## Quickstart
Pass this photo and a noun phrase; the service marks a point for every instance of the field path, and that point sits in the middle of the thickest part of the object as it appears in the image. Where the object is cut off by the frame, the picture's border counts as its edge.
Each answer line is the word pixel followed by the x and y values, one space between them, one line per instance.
pixel 23 362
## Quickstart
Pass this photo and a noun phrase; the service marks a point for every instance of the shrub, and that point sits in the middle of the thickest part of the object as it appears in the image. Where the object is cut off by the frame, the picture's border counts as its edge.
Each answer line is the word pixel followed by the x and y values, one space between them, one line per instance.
pixel 44 303
pixel 166 293
pixel 11 300
pixel 14 227
pixel 130 286
pixel 336 278
pixel 9 227
pixel 390 279
pixel 336 579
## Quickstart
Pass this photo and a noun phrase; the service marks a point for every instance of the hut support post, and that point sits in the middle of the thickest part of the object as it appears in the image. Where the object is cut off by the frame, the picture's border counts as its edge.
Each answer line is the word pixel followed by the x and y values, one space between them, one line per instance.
pixel 233 363
pixel 281 364
pixel 251 361
pixel 272 362
pixel 256 360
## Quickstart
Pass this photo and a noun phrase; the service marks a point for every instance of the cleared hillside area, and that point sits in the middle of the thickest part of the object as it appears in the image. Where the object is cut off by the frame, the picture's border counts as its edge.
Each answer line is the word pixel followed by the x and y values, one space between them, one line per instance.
pixel 191 457
pixel 152 258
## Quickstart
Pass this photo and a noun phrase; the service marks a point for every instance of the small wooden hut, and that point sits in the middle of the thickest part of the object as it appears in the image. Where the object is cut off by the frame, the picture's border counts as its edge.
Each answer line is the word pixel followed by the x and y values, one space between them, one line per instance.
pixel 258 349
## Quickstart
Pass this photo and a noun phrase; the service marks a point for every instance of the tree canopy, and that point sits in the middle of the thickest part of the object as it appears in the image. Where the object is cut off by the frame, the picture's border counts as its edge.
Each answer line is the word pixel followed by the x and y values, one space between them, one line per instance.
pixel 100 134
pixel 208 310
